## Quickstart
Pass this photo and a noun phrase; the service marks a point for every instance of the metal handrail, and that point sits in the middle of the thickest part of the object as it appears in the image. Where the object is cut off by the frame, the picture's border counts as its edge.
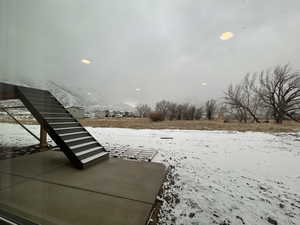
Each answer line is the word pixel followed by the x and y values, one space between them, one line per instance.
pixel 17 121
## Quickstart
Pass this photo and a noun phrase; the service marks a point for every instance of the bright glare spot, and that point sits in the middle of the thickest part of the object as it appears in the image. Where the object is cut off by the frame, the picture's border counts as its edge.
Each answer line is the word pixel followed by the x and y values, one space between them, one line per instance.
pixel 89 93
pixel 86 61
pixel 137 89
pixel 204 84
pixel 226 36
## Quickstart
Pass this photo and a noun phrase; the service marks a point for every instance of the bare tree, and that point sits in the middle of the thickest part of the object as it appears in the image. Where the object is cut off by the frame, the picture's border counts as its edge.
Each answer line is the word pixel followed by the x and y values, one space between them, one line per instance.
pixel 222 109
pixel 190 113
pixel 210 109
pixel 243 99
pixel 178 112
pixel 198 113
pixel 240 114
pixel 162 107
pixel 184 111
pixel 279 91
pixel 171 110
pixel 143 110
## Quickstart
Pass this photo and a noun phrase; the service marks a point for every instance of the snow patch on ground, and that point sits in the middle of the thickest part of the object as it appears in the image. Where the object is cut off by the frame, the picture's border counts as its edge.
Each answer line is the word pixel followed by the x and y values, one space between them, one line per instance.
pixel 13 135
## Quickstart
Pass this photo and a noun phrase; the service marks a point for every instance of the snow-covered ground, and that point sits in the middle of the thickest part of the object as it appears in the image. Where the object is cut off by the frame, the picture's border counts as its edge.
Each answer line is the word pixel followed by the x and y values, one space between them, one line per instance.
pixel 220 177
pixel 223 177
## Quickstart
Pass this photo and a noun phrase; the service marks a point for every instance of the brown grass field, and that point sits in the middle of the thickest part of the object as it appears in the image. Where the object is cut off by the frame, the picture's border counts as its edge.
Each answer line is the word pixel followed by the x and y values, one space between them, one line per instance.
pixel 145 123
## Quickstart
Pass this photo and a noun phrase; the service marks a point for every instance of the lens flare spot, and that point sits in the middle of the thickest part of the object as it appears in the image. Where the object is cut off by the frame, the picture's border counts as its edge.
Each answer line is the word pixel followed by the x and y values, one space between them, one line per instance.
pixel 86 61
pixel 226 36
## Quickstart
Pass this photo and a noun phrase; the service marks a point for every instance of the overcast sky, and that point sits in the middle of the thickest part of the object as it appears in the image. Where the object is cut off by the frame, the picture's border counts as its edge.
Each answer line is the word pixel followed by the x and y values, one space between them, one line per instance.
pixel 145 51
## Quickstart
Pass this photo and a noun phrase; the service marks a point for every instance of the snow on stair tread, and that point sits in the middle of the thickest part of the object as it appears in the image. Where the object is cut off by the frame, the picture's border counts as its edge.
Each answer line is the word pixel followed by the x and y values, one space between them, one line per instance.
pixel 81 145
pixel 88 151
pixel 55 114
pixel 60 123
pixel 86 160
pixel 58 118
pixel 50 113
pixel 65 128
pixel 80 132
pixel 78 139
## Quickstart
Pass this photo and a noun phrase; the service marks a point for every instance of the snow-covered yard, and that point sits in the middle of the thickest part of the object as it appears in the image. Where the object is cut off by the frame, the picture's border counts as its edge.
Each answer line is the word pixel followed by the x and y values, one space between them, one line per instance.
pixel 220 177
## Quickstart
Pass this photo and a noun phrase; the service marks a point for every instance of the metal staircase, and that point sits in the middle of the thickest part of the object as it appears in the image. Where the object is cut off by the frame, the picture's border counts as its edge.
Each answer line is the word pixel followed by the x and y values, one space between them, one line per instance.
pixel 74 140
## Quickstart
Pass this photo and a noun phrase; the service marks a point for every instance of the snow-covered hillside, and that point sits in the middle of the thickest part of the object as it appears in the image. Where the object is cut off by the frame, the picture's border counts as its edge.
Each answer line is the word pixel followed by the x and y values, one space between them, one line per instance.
pixel 65 96
pixel 76 96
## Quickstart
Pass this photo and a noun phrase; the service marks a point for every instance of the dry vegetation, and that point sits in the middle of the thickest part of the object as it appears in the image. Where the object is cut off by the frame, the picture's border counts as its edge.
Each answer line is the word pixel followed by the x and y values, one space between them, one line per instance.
pixel 203 124
pixel 27 121
pixel 145 123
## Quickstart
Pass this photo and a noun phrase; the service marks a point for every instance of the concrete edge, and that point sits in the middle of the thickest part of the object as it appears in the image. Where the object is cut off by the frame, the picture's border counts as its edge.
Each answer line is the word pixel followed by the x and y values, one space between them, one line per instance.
pixel 153 214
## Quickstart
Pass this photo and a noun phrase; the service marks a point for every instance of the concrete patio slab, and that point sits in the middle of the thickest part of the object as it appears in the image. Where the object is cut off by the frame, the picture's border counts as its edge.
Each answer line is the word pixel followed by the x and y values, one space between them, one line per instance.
pixel 8 181
pixel 34 164
pixel 48 204
pixel 45 188
pixel 130 179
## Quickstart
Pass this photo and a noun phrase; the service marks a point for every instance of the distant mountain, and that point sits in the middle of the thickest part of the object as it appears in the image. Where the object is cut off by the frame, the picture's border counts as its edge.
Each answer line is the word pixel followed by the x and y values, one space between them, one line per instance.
pixel 66 97
pixel 71 96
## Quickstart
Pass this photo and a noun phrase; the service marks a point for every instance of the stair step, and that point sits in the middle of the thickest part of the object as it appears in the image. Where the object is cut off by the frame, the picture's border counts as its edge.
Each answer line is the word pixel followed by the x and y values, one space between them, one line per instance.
pixel 84 140
pixel 91 153
pixel 69 130
pixel 82 134
pixel 42 96
pixel 66 128
pixel 62 123
pixel 65 125
pixel 44 101
pixel 46 105
pixel 74 147
pixel 53 111
pixel 61 119
pixel 88 151
pixel 78 139
pixel 39 100
pixel 34 90
pixel 93 157
pixel 53 114
pixel 74 133
pixel 50 109
pixel 67 122
pixel 86 147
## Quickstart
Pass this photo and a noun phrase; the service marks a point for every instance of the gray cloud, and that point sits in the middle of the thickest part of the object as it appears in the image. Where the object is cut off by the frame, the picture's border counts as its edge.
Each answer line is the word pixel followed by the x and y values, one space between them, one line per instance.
pixel 165 48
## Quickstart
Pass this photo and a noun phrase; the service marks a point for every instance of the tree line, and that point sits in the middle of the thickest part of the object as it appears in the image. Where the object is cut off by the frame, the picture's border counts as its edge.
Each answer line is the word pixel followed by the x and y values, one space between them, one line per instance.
pixel 268 94
pixel 167 110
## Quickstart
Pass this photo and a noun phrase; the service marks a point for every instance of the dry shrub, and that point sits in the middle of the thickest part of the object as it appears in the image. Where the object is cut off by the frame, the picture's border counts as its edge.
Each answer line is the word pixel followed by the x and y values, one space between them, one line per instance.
pixel 226 120
pixel 156 116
